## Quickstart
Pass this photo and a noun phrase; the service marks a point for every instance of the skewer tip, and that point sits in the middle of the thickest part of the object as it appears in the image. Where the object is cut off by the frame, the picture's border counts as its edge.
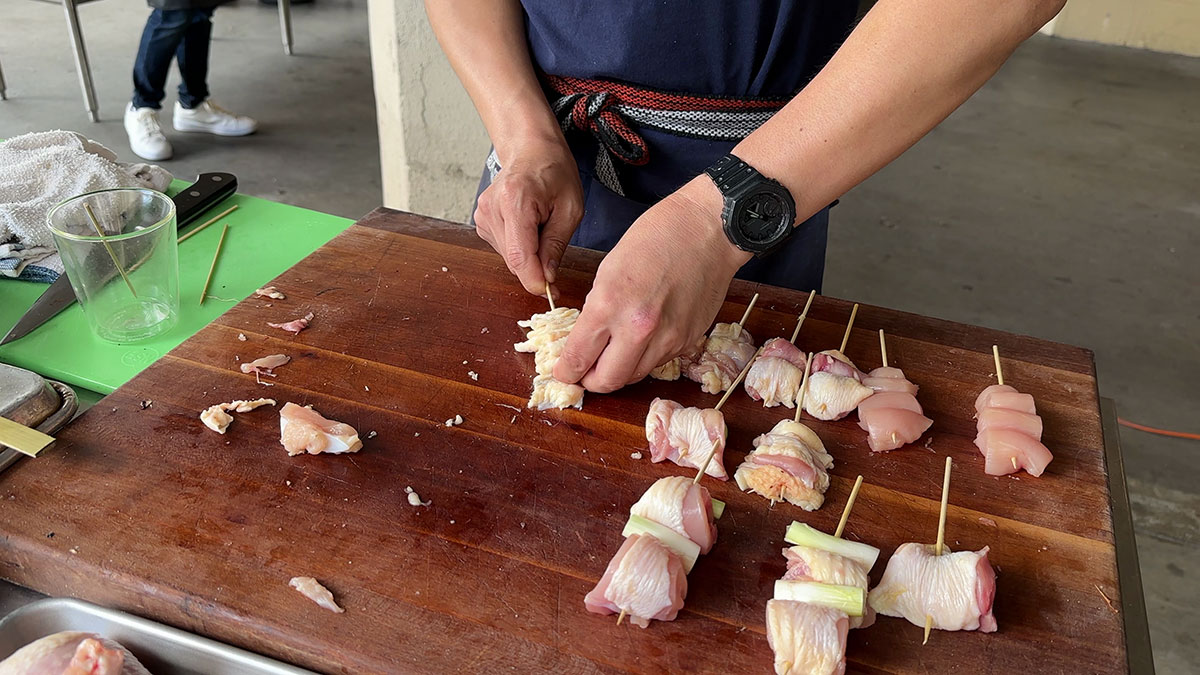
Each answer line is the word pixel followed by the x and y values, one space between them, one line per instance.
pixel 928 628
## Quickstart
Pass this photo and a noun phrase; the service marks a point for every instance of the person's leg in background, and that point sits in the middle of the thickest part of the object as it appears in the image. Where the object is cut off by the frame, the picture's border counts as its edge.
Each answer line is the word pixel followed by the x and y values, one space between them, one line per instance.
pixel 194 111
pixel 162 36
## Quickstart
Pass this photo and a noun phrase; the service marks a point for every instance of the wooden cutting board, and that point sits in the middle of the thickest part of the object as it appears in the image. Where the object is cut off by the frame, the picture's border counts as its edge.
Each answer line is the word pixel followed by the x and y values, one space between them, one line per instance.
pixel 140 507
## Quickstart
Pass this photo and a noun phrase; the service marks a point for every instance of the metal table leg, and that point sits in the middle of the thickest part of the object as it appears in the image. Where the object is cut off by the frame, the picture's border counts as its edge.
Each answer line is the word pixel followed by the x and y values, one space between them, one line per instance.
pixel 285 24
pixel 81 60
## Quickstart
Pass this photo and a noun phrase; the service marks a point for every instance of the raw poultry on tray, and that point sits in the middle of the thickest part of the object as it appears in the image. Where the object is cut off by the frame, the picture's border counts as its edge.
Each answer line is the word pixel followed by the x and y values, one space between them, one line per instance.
pixel 72 653
pixel 546 340
pixel 668 529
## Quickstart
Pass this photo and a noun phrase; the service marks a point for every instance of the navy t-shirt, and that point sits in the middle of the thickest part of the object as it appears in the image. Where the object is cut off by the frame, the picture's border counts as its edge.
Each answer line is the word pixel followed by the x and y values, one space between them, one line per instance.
pixel 743 48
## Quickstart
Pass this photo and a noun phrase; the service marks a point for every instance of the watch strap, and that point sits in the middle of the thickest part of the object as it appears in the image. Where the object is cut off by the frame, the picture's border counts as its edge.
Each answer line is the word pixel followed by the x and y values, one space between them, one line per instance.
pixel 729 173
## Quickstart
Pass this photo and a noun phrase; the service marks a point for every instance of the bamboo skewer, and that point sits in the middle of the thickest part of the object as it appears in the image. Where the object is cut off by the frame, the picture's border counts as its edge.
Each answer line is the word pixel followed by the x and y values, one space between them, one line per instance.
pixel 996 358
pixel 849 505
pixel 883 348
pixel 206 223
pixel 108 247
pixel 720 403
pixel 941 536
pixel 621 617
pixel 803 388
pixel 746 314
pixel 803 316
pixel 849 325
pixel 213 266
pixel 549 296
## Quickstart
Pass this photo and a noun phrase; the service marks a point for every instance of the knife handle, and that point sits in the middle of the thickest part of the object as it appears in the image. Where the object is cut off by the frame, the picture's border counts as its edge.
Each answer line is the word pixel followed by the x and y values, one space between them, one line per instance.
pixel 206 192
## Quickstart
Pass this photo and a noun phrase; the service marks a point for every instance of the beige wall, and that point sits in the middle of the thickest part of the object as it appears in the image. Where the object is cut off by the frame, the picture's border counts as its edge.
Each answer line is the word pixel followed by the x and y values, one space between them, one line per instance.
pixel 1159 25
pixel 431 142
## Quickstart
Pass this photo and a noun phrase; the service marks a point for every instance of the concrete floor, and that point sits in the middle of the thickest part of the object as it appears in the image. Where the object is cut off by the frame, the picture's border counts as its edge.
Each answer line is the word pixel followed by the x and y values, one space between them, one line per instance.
pixel 1062 201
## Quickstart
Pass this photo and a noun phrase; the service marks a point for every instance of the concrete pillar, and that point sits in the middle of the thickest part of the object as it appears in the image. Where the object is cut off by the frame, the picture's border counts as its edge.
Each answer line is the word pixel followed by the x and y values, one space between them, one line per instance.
pixel 431 143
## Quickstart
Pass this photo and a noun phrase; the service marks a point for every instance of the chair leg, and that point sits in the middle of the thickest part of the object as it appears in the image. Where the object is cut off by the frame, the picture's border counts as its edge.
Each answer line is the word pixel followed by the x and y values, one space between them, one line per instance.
pixel 81 60
pixel 3 91
pixel 285 24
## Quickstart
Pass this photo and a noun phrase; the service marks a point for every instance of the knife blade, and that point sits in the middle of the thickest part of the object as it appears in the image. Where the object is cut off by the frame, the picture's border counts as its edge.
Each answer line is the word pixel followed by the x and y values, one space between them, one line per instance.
pixel 190 203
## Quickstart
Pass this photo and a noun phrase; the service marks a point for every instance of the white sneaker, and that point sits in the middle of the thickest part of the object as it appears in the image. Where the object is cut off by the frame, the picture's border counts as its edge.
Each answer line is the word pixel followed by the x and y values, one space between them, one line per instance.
pixel 211 118
pixel 146 137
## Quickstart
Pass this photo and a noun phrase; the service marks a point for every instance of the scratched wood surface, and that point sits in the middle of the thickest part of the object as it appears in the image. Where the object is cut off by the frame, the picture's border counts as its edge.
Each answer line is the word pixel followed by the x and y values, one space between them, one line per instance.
pixel 147 511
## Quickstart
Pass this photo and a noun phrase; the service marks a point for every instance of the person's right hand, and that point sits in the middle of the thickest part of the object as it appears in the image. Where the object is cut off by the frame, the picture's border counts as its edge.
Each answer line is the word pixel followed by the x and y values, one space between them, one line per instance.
pixel 530 211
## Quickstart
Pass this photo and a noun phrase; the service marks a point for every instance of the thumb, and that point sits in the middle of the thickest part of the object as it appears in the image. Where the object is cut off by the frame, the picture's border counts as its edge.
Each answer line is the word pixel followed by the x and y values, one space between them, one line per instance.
pixel 555 236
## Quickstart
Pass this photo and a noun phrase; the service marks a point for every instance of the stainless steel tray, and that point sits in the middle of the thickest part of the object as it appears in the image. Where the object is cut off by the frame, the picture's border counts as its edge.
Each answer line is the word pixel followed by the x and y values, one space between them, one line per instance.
pixel 162 649
pixel 26 398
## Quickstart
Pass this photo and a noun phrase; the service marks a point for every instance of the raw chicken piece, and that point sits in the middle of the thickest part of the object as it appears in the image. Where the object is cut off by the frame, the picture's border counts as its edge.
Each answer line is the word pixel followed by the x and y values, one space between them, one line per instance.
pixel 807 639
pixel 1010 432
pixel 889 379
pixel 265 365
pixel 836 363
pixel 546 339
pixel 645 579
pixel 812 564
pixel 1004 418
pixel 72 653
pixel 955 589
pixel 677 503
pixel 313 590
pixel 776 374
pixel 668 371
pixel 788 463
pixel 687 436
pixel 295 325
pixel 217 417
pixel 302 429
pixel 1006 451
pixel 1004 396
pixel 891 416
pixel 727 350
pixel 550 393
pixel 546 327
pixel 832 397
pixel 269 292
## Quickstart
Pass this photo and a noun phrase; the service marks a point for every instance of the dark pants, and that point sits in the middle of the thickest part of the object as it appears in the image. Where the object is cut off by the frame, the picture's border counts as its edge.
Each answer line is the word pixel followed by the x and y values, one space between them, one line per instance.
pixel 180 33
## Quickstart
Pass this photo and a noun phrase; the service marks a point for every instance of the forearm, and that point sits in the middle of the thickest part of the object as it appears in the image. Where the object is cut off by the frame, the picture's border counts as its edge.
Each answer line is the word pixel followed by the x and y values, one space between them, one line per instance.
pixel 485 43
pixel 903 70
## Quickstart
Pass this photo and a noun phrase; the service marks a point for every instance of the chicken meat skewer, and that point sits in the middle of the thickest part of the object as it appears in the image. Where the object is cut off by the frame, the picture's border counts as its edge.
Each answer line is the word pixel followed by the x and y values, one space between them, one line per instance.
pixel 891 416
pixel 934 587
pixel 775 377
pixel 788 463
pixel 728 348
pixel 1009 429
pixel 717 409
pixel 835 387
pixel 669 527
pixel 547 339
pixel 819 599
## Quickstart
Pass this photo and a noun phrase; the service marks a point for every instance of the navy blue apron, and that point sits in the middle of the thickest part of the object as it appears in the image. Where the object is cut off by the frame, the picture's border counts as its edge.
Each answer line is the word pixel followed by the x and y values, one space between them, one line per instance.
pixel 742 48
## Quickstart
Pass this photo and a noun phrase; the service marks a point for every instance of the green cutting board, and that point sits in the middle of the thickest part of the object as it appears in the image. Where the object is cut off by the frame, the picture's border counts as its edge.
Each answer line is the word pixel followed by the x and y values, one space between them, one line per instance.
pixel 264 239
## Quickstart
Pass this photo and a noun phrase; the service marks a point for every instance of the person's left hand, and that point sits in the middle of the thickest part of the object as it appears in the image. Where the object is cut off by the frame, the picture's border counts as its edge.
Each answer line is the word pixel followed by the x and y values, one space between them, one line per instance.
pixel 655 293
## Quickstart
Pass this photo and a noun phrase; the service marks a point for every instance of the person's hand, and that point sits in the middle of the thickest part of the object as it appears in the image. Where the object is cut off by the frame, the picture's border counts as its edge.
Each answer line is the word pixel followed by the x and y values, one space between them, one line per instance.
pixel 655 293
pixel 530 211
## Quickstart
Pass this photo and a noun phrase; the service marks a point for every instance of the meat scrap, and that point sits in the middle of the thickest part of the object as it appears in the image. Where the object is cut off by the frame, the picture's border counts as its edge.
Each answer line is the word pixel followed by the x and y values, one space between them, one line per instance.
pixel 269 292
pixel 302 429
pixel 217 417
pixel 295 325
pixel 265 365
pixel 313 590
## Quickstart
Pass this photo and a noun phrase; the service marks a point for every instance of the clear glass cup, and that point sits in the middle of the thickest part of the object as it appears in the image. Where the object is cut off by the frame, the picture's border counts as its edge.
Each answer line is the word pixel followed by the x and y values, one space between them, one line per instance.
pixel 128 280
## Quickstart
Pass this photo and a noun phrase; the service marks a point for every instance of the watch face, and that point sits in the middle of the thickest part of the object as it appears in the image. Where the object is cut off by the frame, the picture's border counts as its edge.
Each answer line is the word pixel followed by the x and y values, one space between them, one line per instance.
pixel 762 217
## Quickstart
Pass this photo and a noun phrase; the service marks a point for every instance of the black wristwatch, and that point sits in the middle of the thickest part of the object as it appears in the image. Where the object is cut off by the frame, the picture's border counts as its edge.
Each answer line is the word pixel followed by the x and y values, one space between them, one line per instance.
pixel 759 212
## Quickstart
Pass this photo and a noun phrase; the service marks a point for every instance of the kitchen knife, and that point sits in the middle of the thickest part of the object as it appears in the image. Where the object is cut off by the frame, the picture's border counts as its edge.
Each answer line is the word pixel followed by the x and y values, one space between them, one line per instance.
pixel 192 201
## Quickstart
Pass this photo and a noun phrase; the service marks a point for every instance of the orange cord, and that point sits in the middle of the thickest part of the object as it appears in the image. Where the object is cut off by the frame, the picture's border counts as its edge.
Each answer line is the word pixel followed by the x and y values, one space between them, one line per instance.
pixel 1160 432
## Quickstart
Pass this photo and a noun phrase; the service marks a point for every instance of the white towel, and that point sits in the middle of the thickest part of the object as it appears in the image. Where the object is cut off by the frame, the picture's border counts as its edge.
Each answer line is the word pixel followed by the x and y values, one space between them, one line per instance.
pixel 41 169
